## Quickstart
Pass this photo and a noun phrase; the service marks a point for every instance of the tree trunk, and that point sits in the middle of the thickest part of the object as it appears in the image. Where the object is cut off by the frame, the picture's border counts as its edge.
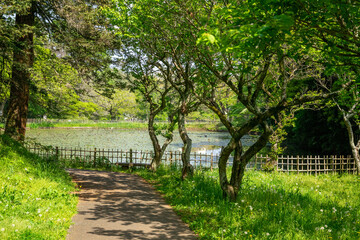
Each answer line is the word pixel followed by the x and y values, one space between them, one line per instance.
pixel 231 190
pixel 354 147
pixel 19 87
pixel 2 106
pixel 187 169
pixel 158 149
pixel 155 163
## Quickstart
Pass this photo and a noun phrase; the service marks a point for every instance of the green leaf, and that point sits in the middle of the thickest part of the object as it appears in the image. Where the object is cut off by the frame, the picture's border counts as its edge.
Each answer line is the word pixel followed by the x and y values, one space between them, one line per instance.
pixel 207 38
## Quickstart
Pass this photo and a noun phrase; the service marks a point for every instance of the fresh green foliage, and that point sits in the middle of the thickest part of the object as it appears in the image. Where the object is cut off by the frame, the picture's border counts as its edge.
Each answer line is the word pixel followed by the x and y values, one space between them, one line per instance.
pixel 269 206
pixel 35 195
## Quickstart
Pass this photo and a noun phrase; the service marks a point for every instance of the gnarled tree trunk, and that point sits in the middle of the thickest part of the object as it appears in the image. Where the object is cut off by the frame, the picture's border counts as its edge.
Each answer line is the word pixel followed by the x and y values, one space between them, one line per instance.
pixel 187 169
pixel 227 188
pixel 19 87
pixel 158 149
pixel 155 163
pixel 231 189
pixel 355 147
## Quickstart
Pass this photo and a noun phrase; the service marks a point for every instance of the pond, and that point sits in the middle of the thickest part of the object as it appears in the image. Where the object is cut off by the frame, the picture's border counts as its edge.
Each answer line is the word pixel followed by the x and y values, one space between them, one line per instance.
pixel 204 142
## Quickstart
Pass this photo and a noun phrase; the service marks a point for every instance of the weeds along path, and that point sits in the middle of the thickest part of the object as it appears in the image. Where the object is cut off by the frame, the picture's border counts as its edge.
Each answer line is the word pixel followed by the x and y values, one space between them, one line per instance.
pixel 122 206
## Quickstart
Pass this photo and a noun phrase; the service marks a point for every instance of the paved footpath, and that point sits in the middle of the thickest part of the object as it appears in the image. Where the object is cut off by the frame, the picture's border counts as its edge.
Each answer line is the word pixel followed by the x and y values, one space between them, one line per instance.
pixel 122 206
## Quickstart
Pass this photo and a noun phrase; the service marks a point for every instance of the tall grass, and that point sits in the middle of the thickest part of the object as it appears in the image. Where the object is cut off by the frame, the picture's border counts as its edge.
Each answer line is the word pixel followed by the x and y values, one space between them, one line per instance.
pixel 270 205
pixel 35 195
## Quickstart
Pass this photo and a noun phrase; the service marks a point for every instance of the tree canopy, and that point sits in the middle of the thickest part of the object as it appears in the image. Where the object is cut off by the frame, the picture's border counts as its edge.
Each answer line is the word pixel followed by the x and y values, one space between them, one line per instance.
pixel 252 63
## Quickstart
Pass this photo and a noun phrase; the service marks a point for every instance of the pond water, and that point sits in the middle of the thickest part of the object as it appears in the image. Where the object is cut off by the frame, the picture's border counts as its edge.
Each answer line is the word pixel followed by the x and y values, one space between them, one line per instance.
pixel 204 142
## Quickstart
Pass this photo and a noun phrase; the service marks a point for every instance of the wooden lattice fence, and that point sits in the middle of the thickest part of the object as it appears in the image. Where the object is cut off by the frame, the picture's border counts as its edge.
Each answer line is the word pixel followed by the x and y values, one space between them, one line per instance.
pixel 100 157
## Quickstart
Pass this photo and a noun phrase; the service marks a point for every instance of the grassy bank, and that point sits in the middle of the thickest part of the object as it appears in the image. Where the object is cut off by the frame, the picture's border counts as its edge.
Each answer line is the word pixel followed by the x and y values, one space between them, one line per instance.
pixel 35 199
pixel 270 206
pixel 89 124
pixel 199 126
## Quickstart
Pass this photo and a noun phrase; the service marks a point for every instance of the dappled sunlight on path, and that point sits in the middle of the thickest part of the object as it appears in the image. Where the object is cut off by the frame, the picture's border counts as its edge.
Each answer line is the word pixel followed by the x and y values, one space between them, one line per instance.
pixel 122 206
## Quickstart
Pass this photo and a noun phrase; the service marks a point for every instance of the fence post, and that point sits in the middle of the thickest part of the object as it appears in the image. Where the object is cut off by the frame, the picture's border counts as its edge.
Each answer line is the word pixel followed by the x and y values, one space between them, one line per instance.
pixel 200 160
pixel 211 161
pixel 94 157
pixel 57 154
pixel 255 164
pixel 131 158
pixel 194 160
pixel 298 164
pixel 171 158
pixel 309 163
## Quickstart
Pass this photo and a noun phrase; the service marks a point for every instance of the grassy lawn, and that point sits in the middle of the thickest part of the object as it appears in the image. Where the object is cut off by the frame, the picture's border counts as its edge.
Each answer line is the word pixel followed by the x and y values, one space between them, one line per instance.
pixel 35 199
pixel 270 205
pixel 35 202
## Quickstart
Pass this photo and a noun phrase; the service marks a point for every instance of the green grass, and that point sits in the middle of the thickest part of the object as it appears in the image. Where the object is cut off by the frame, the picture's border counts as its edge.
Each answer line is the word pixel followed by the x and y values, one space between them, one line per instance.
pixel 90 124
pixel 119 125
pixel 35 195
pixel 270 205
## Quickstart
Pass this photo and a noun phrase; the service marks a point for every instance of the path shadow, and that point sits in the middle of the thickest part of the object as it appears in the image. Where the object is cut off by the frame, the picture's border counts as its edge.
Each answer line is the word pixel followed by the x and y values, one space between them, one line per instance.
pixel 124 206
